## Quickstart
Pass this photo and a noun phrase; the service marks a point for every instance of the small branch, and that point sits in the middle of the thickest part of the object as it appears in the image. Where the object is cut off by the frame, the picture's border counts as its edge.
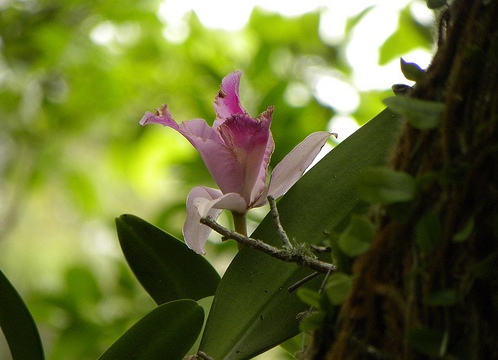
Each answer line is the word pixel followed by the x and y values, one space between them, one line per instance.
pixel 303 281
pixel 276 219
pixel 284 255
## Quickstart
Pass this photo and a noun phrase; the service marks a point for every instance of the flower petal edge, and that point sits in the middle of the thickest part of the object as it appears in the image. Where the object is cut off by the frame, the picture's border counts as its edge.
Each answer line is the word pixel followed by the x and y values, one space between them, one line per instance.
pixel 288 171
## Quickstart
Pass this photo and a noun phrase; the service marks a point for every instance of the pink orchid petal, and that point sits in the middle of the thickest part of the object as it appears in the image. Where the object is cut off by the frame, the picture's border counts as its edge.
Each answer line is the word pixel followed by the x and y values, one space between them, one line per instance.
pixel 293 165
pixel 195 233
pixel 227 101
pixel 250 141
pixel 220 161
pixel 192 129
pixel 196 131
pixel 231 201
pixel 262 174
pixel 202 202
pixel 162 116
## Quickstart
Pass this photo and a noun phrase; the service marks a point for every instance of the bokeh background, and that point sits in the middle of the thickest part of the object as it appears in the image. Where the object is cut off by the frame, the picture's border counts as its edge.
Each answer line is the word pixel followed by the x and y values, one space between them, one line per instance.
pixel 77 76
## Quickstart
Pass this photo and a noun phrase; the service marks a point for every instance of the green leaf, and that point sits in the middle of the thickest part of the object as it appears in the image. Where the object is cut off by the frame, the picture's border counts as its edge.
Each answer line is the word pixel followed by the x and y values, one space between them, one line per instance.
pixel 356 239
pixel 339 259
pixel 254 292
pixel 464 234
pixel 167 332
pixel 428 231
pixel 254 287
pixel 165 267
pixel 421 114
pixel 411 70
pixel 427 341
pixel 205 303
pixel 338 287
pixel 309 297
pixel 17 324
pixel 385 186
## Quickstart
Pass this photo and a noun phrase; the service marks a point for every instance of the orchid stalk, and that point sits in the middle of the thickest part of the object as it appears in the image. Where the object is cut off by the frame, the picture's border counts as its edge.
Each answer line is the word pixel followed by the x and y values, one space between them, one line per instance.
pixel 236 150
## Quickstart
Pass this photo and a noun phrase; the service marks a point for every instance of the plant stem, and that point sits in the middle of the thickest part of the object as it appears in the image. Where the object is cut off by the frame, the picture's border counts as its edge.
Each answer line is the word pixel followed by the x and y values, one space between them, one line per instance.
pixel 284 255
pixel 240 225
pixel 276 220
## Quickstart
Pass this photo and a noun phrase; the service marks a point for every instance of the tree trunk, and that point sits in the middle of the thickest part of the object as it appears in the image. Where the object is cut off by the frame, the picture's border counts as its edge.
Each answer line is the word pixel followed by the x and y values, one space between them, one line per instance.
pixel 411 301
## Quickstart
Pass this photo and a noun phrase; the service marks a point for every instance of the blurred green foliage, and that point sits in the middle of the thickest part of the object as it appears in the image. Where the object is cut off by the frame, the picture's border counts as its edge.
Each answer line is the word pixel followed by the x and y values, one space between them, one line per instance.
pixel 75 78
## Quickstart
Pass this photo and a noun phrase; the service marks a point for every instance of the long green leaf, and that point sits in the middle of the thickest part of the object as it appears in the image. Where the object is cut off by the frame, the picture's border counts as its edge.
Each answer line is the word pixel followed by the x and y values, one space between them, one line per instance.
pixel 165 267
pixel 167 332
pixel 206 306
pixel 252 309
pixel 17 324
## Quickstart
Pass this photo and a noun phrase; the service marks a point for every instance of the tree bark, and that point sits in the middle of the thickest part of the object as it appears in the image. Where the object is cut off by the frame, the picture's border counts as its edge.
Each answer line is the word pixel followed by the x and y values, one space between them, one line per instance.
pixel 411 301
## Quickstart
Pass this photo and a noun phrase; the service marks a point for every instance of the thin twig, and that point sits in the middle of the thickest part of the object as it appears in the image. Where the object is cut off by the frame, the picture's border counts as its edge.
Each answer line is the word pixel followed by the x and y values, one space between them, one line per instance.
pixel 303 281
pixel 284 255
pixel 276 219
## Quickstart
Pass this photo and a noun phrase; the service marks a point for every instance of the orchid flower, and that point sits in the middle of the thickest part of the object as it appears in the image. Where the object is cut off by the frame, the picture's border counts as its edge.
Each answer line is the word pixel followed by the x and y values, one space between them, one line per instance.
pixel 236 150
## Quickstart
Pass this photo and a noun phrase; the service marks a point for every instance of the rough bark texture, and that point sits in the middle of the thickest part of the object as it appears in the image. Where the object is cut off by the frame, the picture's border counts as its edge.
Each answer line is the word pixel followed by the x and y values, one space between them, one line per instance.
pixel 459 160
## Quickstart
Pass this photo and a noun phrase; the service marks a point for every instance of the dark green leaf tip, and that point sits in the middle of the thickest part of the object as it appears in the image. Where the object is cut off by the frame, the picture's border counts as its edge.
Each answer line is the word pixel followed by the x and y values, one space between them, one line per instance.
pixel 411 70
pixel 17 324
